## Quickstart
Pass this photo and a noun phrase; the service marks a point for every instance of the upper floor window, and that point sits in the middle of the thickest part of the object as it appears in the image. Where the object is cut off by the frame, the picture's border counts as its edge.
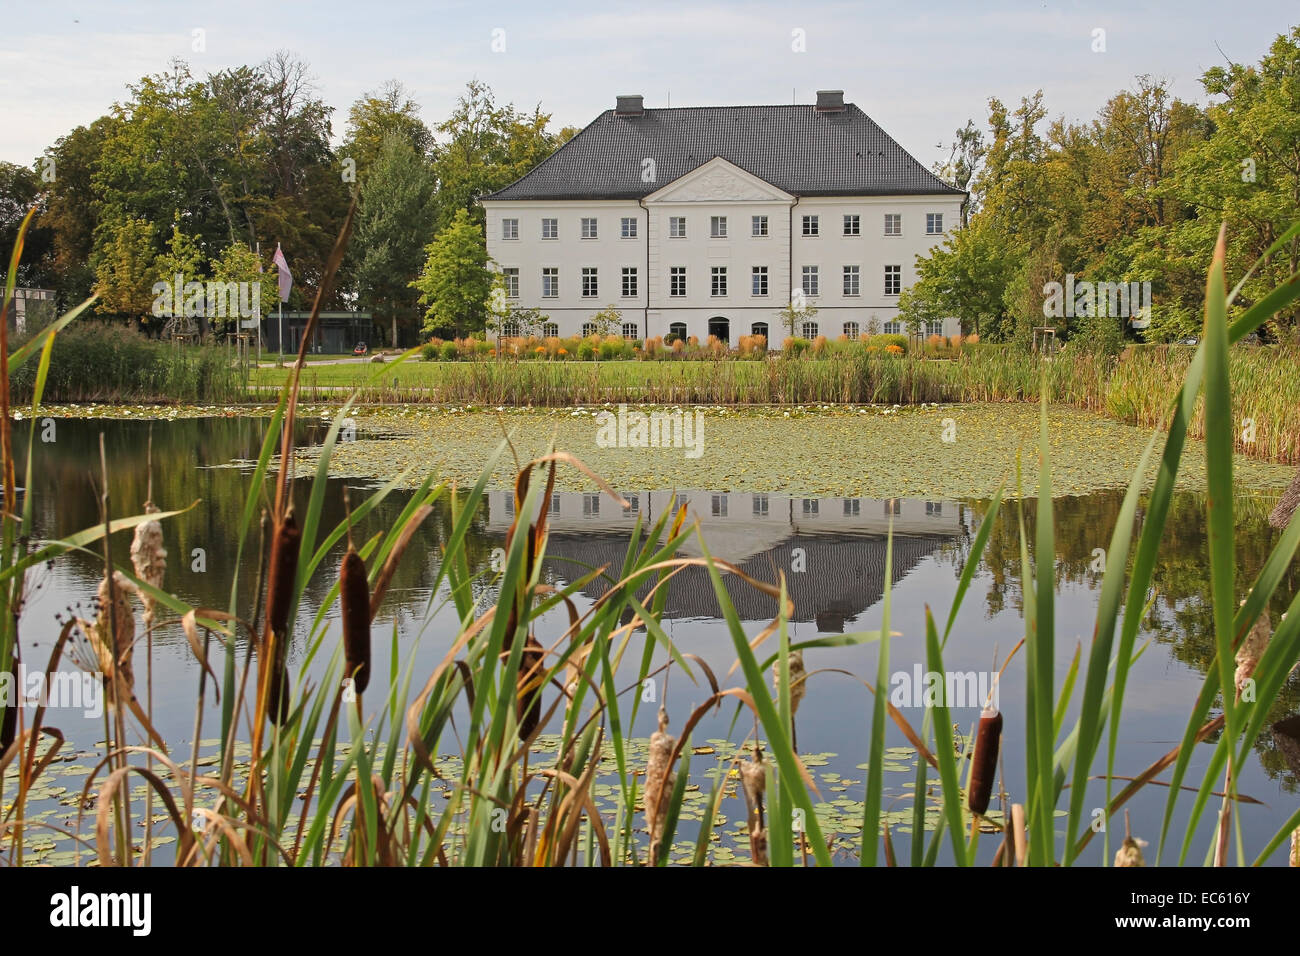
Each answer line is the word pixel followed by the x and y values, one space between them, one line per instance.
pixel 759 281
pixel 509 228
pixel 628 227
pixel 933 223
pixel 851 277
pixel 550 229
pixel 550 283
pixel 718 227
pixel 893 224
pixel 677 280
pixel 511 278
pixel 853 225
pixel 590 288
pixel 719 280
pixel 893 280
pixel 810 280
pixel 588 227
pixel 810 226
pixel 676 227
pixel 758 225
pixel 629 282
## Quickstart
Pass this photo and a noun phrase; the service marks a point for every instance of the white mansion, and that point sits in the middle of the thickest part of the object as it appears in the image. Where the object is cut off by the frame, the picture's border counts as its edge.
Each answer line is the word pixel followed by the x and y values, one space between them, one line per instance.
pixel 711 220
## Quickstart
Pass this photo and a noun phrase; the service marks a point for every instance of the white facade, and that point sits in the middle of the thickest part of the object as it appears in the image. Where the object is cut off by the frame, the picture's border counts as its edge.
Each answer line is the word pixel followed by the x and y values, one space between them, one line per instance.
pixel 720 296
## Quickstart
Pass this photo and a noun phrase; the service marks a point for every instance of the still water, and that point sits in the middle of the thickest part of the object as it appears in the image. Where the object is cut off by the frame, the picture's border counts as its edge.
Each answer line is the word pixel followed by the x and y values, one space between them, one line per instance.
pixel 831 550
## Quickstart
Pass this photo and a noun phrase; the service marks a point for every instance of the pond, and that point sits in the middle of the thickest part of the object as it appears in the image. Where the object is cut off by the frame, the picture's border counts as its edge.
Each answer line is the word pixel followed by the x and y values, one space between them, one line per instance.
pixel 832 551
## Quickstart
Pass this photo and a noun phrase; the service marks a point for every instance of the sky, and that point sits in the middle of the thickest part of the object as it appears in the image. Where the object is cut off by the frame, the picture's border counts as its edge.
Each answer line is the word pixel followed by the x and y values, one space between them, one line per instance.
pixel 920 69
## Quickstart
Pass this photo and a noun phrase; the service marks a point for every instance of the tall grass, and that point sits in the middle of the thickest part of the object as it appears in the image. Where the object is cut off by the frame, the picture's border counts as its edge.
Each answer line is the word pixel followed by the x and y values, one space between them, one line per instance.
pixel 365 758
pixel 98 362
pixel 1137 387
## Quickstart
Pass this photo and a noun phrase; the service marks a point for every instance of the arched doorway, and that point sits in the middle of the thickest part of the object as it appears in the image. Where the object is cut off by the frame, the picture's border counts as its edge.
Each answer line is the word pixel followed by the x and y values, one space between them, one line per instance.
pixel 720 328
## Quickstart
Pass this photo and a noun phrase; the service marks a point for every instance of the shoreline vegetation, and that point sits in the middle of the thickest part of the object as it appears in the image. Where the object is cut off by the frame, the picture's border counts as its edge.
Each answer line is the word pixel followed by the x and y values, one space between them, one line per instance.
pixel 1135 388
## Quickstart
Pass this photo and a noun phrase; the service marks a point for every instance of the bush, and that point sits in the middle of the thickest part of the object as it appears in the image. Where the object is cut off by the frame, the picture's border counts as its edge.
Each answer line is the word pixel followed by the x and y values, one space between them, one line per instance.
pixel 429 351
pixel 448 352
pixel 586 351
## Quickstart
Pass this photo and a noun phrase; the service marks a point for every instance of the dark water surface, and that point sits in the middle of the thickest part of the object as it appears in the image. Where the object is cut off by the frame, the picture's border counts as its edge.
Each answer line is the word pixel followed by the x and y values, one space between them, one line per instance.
pixel 833 553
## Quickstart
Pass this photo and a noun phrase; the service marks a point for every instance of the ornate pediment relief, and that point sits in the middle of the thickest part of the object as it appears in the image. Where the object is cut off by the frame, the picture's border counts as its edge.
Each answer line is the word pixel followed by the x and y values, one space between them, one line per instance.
pixel 719 181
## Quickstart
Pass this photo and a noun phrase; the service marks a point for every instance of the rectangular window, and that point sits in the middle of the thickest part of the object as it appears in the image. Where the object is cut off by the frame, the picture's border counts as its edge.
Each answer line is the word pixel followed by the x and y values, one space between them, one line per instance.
pixel 811 507
pixel 810 284
pixel 852 225
pixel 851 277
pixel 509 228
pixel 933 223
pixel 719 508
pixel 635 502
pixel 676 227
pixel 588 328
pixel 588 227
pixel 555 504
pixel 719 280
pixel 808 330
pixel 894 506
pixel 629 282
pixel 630 330
pixel 893 224
pixel 934 327
pixel 758 226
pixel 511 277
pixel 810 226
pixel 550 283
pixel 934 508
pixel 591 505
pixel 718 227
pixel 893 280
pixel 590 287
pixel 550 229
pixel 760 280
pixel 760 506
pixel 852 507
pixel 677 280
pixel 628 227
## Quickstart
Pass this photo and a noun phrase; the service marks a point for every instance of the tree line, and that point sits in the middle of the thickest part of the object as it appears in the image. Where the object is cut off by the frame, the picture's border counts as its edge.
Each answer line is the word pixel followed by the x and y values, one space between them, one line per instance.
pixel 1135 195
pixel 204 176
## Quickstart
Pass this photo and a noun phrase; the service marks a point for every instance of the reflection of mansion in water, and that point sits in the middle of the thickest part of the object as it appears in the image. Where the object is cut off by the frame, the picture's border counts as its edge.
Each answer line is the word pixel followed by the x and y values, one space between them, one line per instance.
pixel 832 550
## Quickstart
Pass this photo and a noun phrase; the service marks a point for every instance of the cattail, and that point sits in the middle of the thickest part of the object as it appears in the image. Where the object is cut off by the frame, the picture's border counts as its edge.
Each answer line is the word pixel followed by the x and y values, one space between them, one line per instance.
pixel 149 558
pixel 798 680
pixel 1130 853
pixel 279 596
pixel 753 780
pixel 659 780
pixel 529 687
pixel 985 761
pixel 354 599
pixel 1251 650
pixel 115 623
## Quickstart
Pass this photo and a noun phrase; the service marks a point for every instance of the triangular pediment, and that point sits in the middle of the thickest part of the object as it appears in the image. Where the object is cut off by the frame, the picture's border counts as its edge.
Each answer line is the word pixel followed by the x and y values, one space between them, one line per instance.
pixel 719 181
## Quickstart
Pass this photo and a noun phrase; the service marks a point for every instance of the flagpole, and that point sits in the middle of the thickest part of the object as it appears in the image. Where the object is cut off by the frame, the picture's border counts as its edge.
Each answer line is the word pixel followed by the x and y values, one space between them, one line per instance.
pixel 281 331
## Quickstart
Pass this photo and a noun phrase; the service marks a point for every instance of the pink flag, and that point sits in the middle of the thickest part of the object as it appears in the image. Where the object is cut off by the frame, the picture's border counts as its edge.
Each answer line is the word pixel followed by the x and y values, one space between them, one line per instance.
pixel 286 277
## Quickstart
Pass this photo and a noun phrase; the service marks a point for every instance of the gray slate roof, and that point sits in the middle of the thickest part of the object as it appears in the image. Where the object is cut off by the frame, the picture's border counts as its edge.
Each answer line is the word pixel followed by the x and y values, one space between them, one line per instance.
pixel 804 152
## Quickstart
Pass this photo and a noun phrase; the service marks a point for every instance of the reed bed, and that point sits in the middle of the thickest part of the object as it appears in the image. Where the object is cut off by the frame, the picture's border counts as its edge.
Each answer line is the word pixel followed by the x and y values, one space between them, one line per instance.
pixel 354 769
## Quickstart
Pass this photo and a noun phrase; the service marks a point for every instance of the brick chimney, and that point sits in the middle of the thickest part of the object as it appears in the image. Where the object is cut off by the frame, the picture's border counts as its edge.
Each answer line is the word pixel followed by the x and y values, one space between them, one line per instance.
pixel 629 106
pixel 830 101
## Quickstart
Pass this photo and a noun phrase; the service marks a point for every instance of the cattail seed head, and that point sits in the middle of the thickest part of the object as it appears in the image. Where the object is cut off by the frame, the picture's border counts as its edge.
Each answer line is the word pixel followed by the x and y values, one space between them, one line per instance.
pixel 798 679
pixel 529 690
pixel 985 761
pixel 1252 649
pixel 279 596
pixel 115 623
pixel 1129 854
pixel 659 778
pixel 354 600
pixel 148 556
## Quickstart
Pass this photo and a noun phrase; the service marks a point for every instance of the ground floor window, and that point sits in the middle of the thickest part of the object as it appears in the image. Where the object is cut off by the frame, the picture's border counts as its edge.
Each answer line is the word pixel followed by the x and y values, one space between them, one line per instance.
pixel 893 327
pixel 852 507
pixel 629 330
pixel 808 330
pixel 852 329
pixel 760 505
pixel 510 330
pixel 676 331
pixel 588 328
pixel 934 327
pixel 550 330
pixel 758 328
